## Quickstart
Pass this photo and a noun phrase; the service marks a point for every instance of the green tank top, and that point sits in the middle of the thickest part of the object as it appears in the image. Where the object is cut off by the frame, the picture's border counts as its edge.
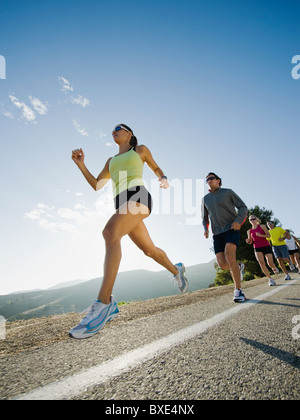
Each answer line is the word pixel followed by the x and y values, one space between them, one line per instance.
pixel 126 171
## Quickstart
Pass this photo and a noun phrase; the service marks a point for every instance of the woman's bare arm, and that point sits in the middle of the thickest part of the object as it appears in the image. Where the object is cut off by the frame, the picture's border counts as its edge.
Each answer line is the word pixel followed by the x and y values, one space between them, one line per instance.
pixel 95 183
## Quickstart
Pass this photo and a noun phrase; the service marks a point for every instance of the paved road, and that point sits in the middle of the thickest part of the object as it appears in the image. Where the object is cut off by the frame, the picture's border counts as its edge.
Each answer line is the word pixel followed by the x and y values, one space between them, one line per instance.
pixel 232 351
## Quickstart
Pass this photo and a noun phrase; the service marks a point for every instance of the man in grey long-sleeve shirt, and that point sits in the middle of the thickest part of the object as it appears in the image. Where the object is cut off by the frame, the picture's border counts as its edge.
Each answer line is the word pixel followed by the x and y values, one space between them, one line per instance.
pixel 219 207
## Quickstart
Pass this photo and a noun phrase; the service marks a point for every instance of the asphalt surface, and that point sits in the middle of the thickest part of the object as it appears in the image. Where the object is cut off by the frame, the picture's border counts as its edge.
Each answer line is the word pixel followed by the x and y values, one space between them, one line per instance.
pixel 253 354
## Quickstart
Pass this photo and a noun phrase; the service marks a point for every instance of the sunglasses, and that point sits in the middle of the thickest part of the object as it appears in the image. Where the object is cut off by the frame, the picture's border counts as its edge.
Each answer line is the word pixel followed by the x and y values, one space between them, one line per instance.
pixel 252 219
pixel 210 178
pixel 120 127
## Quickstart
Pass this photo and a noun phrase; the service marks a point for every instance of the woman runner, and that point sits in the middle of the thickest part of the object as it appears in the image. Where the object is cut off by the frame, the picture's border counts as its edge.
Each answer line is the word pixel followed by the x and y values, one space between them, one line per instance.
pixel 133 204
pixel 258 237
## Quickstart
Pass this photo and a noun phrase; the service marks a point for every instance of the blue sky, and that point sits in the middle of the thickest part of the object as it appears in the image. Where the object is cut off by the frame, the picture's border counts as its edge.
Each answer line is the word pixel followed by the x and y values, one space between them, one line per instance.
pixel 206 85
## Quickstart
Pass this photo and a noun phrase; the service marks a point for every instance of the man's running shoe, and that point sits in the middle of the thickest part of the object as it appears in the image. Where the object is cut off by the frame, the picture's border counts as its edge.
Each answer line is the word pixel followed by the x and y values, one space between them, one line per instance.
pixel 276 271
pixel 272 282
pixel 287 277
pixel 98 314
pixel 292 267
pixel 242 270
pixel 180 278
pixel 239 296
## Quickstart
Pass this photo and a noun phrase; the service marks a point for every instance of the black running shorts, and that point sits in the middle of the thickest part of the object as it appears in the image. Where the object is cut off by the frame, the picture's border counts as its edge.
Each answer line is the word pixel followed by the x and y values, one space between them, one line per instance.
pixel 137 194
pixel 230 236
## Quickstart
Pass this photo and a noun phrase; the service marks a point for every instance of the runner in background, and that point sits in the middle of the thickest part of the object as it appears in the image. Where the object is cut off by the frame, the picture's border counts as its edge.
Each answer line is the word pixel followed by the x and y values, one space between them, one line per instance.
pixel 258 236
pixel 219 209
pixel 280 248
pixel 293 245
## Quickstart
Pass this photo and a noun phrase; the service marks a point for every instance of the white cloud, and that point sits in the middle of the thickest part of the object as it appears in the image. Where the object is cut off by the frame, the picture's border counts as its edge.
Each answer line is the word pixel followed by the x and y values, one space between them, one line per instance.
pixel 52 219
pixel 44 207
pixel 67 88
pixel 80 100
pixel 27 113
pixel 104 204
pixel 79 206
pixel 66 85
pixel 6 113
pixel 38 105
pixel 46 224
pixel 76 221
pixel 42 210
pixel 66 213
pixel 33 214
pixel 81 130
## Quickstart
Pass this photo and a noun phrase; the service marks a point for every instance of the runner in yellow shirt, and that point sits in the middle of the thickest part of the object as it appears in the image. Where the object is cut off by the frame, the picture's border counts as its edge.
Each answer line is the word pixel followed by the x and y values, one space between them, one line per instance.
pixel 280 249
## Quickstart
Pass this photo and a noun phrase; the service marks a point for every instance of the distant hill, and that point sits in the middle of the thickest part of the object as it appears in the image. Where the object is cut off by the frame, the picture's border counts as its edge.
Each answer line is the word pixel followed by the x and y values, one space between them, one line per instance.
pixel 129 286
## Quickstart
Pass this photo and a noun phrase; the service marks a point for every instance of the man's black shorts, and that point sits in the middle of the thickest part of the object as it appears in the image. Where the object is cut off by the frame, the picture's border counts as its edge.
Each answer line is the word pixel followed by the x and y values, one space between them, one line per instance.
pixel 230 236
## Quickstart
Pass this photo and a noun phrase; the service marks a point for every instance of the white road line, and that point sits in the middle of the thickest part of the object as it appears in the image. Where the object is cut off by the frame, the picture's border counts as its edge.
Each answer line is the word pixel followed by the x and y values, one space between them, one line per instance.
pixel 77 384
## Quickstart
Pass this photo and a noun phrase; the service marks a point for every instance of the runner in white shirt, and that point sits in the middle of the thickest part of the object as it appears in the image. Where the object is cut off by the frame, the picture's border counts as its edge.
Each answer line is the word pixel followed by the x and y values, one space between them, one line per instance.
pixel 293 245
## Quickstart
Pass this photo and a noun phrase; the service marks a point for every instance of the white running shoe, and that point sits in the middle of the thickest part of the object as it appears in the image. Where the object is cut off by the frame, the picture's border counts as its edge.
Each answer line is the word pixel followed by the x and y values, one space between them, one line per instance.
pixel 242 270
pixel 180 278
pixel 292 267
pixel 276 271
pixel 98 314
pixel 239 296
pixel 287 277
pixel 272 282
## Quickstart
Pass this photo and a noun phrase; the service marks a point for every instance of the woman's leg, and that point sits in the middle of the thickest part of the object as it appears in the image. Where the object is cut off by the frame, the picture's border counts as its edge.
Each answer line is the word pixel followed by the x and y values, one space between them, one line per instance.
pixel 295 260
pixel 271 263
pixel 119 225
pixel 260 258
pixel 140 236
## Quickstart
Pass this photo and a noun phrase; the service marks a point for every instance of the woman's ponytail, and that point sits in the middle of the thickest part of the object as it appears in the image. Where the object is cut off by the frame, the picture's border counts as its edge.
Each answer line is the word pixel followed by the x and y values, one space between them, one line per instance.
pixel 133 141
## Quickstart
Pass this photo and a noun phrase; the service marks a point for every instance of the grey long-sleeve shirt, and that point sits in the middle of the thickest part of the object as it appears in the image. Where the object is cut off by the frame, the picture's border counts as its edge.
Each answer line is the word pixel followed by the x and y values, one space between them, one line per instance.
pixel 220 207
